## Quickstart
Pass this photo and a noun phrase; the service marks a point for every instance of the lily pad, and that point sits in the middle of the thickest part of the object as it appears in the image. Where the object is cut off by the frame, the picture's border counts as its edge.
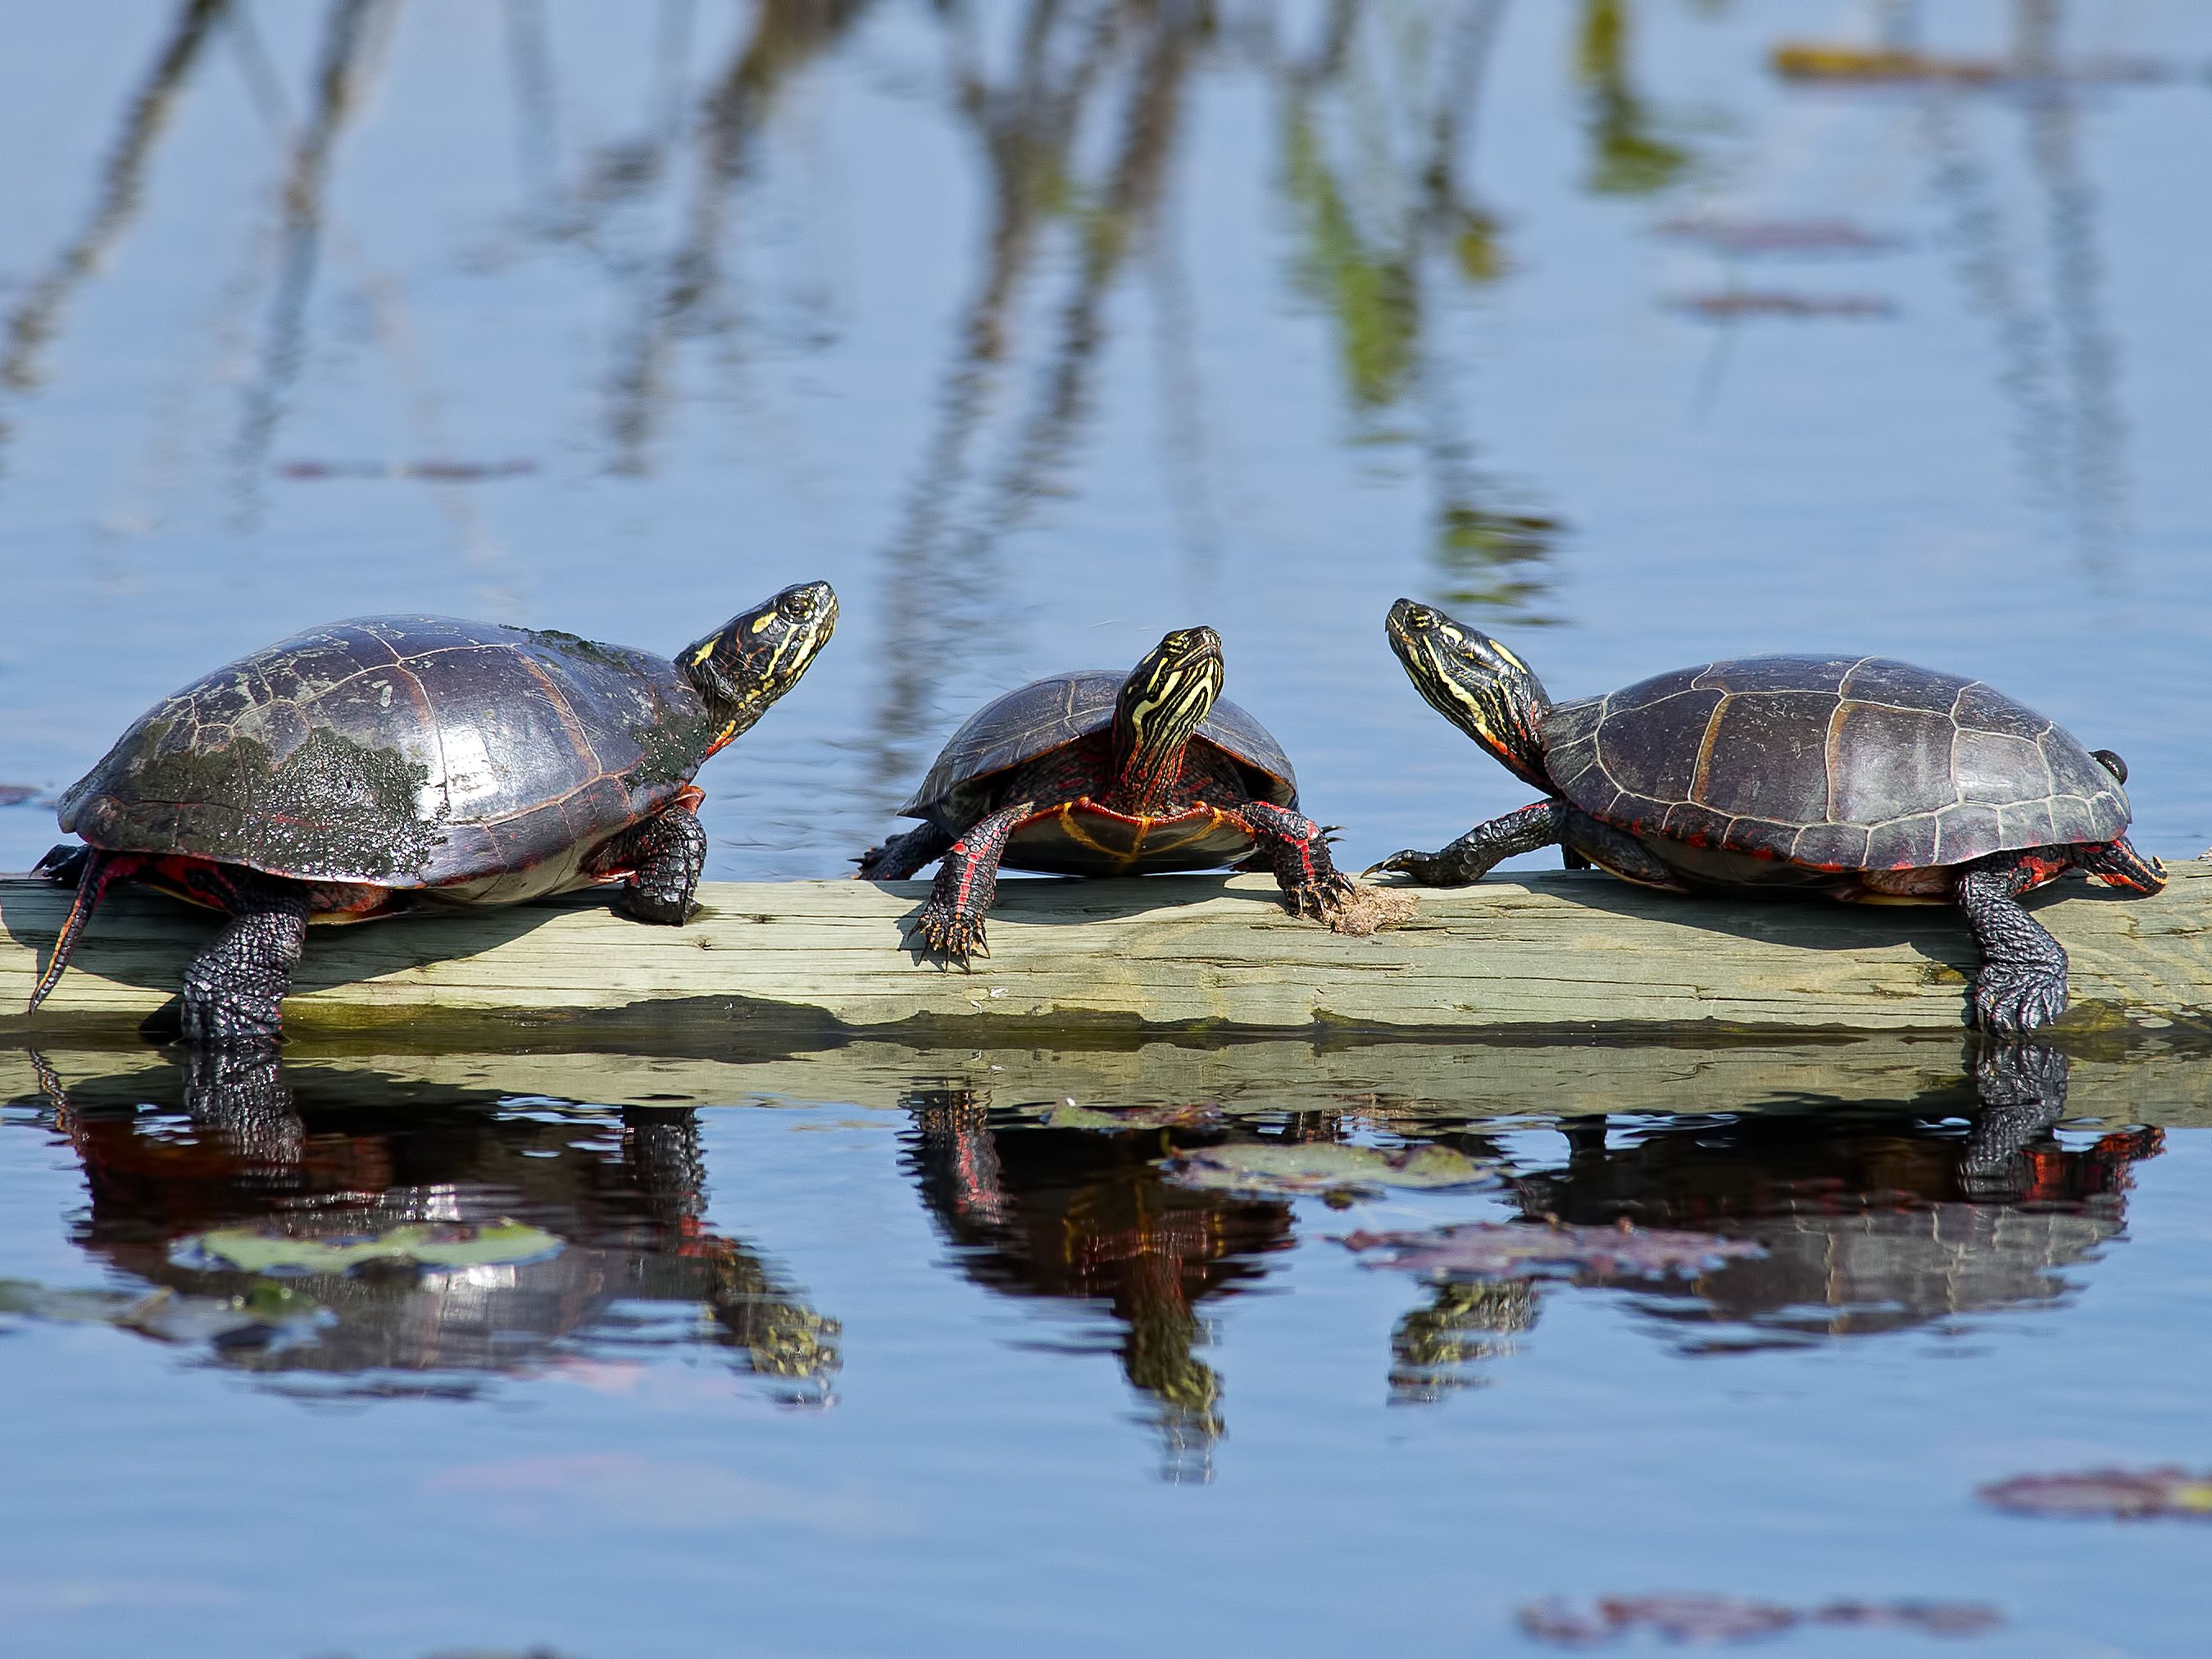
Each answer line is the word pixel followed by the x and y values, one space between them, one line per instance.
pixel 1322 1167
pixel 426 1243
pixel 1069 1115
pixel 1488 1249
pixel 1701 1618
pixel 2115 1494
pixel 165 1314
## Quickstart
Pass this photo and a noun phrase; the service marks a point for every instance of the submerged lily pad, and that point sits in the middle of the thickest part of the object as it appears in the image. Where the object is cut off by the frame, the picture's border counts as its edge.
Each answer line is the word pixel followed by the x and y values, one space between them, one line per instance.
pixel 1486 1250
pixel 426 1243
pixel 2117 1494
pixel 1322 1167
pixel 1699 1619
pixel 259 1317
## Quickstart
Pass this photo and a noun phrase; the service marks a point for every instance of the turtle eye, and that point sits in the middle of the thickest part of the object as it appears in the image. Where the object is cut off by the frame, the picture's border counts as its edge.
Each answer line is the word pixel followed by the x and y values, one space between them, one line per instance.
pixel 795 605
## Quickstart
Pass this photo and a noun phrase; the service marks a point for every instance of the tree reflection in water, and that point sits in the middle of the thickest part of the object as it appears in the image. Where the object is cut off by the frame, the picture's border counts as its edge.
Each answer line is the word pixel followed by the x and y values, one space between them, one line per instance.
pixel 299 1163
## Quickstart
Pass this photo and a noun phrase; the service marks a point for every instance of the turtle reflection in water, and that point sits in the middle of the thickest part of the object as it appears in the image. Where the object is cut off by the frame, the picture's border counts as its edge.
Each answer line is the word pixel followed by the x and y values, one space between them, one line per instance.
pixel 329 1242
pixel 1868 1217
pixel 1084 1214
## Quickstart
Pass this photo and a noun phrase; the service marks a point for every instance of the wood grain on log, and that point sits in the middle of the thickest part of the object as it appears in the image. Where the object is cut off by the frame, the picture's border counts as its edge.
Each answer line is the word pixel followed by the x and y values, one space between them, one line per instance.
pixel 1542 951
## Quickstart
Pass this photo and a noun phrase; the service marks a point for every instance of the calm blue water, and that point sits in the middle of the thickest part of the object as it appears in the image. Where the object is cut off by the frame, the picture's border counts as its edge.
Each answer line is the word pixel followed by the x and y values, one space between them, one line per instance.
pixel 1039 329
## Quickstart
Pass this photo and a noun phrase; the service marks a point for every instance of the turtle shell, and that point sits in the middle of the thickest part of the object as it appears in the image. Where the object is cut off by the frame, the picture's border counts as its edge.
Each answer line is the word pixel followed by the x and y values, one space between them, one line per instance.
pixel 401 751
pixel 1831 763
pixel 1050 714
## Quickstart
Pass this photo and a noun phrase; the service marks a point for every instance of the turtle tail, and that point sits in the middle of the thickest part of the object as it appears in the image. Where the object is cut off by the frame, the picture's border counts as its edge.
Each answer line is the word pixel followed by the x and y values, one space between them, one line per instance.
pixel 95 871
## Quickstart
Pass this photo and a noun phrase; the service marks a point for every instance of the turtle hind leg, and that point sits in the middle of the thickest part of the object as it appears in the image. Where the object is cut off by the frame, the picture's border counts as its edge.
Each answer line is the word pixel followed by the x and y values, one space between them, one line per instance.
pixel 234 988
pixel 665 855
pixel 1472 856
pixel 902 856
pixel 2116 864
pixel 1298 853
pixel 2021 983
pixel 951 923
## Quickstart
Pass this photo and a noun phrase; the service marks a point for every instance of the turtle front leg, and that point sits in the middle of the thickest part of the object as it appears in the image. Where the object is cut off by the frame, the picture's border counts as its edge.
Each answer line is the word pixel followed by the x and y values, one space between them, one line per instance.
pixel 902 856
pixel 952 923
pixel 1472 856
pixel 1297 847
pixel 2022 980
pixel 235 987
pixel 666 854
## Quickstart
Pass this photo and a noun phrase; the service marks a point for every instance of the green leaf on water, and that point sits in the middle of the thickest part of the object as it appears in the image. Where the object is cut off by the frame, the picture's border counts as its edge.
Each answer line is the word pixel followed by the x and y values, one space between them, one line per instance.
pixel 1322 1167
pixel 426 1243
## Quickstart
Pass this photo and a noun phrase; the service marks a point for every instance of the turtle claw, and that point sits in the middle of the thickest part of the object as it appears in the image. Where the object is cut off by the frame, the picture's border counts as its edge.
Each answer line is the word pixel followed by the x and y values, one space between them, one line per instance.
pixel 947 933
pixel 1317 898
pixel 1421 866
pixel 2009 1000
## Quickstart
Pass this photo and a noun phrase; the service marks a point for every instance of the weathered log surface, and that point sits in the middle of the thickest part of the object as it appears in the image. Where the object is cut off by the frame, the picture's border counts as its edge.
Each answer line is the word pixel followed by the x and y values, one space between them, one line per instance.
pixel 1551 950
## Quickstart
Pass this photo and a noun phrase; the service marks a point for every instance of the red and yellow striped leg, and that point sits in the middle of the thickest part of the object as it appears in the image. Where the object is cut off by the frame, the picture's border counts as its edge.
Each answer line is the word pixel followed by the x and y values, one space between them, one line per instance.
pixel 1298 848
pixel 952 923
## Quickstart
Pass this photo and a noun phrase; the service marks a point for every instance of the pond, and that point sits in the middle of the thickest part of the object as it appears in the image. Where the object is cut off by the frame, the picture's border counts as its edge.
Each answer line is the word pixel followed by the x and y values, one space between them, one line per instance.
pixel 1637 332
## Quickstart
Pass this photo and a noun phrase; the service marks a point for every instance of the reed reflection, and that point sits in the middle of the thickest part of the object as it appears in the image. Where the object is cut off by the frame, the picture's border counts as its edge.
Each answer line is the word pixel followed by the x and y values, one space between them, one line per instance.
pixel 331 1233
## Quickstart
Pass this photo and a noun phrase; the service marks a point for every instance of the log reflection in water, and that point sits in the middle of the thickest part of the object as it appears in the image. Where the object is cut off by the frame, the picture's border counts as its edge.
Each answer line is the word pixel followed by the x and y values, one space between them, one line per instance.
pixel 606 1207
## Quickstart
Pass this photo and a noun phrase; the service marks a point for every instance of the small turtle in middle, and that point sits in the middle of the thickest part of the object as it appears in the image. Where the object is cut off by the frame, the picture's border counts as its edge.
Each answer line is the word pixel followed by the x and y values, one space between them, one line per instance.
pixel 1101 774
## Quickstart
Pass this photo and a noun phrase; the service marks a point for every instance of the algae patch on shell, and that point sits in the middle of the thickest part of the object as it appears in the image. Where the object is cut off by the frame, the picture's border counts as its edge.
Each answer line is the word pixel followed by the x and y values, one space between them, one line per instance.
pixel 330 808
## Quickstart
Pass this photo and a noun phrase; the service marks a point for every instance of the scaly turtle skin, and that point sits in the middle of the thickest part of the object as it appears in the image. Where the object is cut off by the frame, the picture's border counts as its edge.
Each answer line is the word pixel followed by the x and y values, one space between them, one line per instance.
pixel 388 762
pixel 1100 773
pixel 1854 777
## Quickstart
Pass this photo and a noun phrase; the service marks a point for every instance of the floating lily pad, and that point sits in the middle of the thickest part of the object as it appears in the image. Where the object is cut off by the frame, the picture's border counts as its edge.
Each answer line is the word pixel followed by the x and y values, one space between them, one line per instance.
pixel 1322 1167
pixel 1069 1115
pixel 2118 1494
pixel 1705 1618
pixel 1514 1250
pixel 426 1243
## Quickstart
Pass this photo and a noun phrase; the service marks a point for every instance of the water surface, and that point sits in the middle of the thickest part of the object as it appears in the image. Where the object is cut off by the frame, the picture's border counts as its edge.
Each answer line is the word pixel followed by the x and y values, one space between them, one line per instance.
pixel 1040 328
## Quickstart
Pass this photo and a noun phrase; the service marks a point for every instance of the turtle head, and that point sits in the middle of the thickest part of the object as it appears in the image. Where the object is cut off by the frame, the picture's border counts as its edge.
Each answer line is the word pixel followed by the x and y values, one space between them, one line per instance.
pixel 1160 705
pixel 1476 683
pixel 744 665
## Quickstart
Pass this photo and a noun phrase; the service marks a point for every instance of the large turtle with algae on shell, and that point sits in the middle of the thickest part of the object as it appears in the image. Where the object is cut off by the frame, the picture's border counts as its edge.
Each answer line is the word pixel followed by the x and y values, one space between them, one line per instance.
pixel 1856 778
pixel 388 763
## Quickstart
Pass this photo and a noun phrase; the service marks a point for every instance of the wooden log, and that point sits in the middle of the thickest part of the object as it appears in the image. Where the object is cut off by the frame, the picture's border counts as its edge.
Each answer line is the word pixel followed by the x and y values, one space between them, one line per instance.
pixel 1544 952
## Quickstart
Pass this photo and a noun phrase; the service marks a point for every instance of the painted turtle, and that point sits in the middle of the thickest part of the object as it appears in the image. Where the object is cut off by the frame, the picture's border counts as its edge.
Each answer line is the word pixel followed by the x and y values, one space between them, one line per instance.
pixel 378 764
pixel 1102 774
pixel 1855 777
